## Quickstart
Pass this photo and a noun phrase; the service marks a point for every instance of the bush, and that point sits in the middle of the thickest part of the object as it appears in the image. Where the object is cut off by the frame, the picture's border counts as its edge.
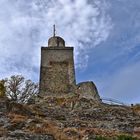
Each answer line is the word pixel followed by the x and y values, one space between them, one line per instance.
pixel 2 88
pixel 101 138
pixel 121 137
pixel 125 137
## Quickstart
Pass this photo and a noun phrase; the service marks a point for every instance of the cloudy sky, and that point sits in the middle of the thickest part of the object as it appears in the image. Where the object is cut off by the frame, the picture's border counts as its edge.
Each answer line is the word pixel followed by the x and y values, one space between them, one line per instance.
pixel 104 33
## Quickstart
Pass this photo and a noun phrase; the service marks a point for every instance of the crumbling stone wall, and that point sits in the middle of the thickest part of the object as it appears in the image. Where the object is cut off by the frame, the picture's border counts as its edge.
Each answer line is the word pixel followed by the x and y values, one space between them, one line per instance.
pixel 88 90
pixel 57 73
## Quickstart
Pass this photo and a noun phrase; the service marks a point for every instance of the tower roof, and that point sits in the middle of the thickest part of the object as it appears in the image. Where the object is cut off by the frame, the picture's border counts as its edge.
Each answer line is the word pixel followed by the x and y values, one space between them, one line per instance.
pixel 56 41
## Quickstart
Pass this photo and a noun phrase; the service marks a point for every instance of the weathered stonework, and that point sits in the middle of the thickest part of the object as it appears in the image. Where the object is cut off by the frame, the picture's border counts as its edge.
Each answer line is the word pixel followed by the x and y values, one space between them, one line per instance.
pixel 88 90
pixel 57 75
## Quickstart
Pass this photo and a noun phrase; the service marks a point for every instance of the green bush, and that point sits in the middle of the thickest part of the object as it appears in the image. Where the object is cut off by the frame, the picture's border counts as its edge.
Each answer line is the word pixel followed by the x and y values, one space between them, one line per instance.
pixel 125 137
pixel 121 137
pixel 101 138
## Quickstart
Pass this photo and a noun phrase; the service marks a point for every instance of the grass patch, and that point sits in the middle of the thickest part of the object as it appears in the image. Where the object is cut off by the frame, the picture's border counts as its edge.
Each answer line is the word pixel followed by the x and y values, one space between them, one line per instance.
pixel 125 137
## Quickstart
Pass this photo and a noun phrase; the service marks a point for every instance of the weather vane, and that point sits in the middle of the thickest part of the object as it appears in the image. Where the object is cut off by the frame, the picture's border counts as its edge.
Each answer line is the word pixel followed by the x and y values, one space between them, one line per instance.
pixel 54 30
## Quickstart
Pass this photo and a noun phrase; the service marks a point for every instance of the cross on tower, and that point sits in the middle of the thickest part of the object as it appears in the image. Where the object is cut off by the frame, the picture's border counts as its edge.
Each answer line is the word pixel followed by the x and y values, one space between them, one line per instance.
pixel 54 30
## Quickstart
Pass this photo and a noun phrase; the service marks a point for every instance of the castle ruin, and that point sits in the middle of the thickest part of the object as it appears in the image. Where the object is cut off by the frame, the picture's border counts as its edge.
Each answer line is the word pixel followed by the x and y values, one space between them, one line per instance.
pixel 57 73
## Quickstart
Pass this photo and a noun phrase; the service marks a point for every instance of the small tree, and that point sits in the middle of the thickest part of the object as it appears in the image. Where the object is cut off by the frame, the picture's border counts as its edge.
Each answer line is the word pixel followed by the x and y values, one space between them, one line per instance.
pixel 2 88
pixel 19 89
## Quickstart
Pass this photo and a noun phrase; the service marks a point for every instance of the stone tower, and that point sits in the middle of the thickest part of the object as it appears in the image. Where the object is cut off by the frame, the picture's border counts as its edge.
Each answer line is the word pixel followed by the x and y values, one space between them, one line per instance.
pixel 57 74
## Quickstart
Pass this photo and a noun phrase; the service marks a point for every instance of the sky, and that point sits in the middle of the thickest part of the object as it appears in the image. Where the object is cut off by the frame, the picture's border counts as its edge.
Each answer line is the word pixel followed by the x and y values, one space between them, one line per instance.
pixel 105 35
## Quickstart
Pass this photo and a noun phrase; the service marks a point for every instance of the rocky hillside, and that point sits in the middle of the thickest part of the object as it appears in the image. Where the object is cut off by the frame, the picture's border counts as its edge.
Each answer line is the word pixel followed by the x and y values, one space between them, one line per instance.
pixel 67 118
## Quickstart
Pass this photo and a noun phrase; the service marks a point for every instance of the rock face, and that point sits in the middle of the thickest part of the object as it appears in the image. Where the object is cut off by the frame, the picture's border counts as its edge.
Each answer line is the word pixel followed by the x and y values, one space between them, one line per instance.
pixel 66 118
pixel 88 90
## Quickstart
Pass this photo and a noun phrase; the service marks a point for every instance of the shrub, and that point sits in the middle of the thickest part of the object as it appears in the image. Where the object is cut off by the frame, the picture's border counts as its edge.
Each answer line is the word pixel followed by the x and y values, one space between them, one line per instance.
pixel 101 138
pixel 125 137
pixel 2 88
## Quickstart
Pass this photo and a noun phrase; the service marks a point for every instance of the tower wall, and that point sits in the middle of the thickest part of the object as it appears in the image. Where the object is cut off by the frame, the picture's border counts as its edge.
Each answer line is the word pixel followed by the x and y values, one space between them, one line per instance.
pixel 57 75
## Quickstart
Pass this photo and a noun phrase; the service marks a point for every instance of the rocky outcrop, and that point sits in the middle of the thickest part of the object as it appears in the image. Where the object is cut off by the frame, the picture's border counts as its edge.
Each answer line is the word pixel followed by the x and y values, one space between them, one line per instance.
pixel 66 119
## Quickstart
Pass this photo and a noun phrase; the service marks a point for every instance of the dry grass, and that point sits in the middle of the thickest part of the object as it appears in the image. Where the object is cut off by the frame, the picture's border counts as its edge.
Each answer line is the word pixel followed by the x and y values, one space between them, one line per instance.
pixel 82 132
pixel 16 118
pixel 47 127
pixel 136 109
pixel 51 127
pixel 2 131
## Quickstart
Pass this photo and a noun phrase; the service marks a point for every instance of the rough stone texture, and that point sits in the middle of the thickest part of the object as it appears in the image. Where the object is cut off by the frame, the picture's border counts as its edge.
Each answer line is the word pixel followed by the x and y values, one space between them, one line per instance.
pixel 63 122
pixel 88 90
pixel 137 131
pixel 57 73
pixel 20 135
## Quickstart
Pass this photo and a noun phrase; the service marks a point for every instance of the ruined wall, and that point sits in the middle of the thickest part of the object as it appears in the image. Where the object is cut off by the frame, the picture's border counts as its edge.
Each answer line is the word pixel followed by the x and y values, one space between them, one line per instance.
pixel 57 73
pixel 88 90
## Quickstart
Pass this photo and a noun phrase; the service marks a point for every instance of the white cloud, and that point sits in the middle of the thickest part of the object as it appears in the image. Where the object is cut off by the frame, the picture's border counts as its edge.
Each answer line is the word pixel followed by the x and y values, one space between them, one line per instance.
pixel 25 26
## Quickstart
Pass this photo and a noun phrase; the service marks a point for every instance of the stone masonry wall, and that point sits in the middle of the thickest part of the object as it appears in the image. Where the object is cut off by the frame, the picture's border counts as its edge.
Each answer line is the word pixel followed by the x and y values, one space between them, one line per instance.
pixel 57 73
pixel 88 90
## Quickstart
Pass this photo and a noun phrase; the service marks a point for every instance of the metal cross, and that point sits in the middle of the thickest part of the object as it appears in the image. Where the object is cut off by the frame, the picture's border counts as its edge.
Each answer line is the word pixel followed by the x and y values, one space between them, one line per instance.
pixel 54 30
